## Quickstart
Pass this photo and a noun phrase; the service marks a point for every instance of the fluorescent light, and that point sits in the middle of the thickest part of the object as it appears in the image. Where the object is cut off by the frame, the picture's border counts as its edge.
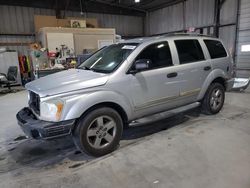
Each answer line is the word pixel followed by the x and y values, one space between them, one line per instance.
pixel 137 1
pixel 245 48
pixel 160 46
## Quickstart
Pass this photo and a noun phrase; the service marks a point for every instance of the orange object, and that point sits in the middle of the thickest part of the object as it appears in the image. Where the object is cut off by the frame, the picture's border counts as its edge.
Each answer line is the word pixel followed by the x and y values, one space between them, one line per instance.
pixel 59 110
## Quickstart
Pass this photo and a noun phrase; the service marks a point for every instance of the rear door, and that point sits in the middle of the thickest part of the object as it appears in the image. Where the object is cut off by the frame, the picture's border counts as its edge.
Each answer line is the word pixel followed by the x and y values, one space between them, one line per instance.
pixel 219 57
pixel 193 68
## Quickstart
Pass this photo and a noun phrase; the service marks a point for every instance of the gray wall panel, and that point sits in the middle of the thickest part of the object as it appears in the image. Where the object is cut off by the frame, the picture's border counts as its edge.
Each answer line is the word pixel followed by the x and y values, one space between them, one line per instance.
pixel 19 19
pixel 125 25
pixel 165 20
pixel 227 34
pixel 243 58
pixel 199 13
pixel 228 12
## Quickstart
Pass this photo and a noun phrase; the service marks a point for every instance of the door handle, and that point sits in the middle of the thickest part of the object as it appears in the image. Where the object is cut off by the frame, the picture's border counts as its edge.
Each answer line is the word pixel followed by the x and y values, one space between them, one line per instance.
pixel 207 68
pixel 172 75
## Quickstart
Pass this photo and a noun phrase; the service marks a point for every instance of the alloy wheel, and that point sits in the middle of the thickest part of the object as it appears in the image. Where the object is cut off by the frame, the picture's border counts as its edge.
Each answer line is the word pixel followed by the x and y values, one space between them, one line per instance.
pixel 216 99
pixel 101 132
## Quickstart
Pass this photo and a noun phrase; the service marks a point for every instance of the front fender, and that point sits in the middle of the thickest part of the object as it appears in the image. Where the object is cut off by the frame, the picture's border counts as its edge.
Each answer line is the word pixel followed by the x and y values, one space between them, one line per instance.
pixel 75 106
pixel 217 73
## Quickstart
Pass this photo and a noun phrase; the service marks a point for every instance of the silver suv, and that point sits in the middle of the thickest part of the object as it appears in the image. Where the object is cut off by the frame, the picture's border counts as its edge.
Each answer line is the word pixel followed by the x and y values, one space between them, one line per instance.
pixel 125 82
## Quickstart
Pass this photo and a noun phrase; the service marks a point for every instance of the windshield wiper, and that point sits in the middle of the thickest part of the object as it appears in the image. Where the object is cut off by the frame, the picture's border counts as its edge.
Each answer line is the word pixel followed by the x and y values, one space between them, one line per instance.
pixel 84 68
pixel 100 71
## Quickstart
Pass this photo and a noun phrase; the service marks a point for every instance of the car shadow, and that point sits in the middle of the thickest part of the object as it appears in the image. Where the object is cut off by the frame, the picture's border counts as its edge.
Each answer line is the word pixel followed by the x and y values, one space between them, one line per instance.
pixel 48 154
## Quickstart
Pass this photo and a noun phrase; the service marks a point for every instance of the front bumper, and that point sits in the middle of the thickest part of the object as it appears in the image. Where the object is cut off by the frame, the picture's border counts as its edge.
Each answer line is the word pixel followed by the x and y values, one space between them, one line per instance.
pixel 39 129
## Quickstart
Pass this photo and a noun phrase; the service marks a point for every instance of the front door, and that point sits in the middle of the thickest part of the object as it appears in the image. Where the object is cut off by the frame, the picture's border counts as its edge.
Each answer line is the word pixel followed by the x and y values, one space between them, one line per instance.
pixel 155 89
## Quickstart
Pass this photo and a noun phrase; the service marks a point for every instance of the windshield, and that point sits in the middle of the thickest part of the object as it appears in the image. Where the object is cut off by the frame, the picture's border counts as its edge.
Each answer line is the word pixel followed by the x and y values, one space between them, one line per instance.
pixel 108 59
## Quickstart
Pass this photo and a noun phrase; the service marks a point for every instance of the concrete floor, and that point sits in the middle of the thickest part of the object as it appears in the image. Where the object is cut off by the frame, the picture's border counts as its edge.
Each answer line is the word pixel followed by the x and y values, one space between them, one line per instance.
pixel 188 150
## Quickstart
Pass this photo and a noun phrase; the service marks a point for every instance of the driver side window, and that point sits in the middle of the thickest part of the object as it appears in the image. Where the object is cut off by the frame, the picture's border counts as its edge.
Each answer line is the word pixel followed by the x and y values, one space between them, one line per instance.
pixel 159 55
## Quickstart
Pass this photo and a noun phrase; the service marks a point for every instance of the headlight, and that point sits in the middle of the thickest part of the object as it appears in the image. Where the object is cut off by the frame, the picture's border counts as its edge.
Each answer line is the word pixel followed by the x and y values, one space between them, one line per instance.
pixel 51 110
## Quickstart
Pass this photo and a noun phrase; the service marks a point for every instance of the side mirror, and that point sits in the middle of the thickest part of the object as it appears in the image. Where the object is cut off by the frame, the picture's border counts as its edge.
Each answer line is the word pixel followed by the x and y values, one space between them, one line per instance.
pixel 140 65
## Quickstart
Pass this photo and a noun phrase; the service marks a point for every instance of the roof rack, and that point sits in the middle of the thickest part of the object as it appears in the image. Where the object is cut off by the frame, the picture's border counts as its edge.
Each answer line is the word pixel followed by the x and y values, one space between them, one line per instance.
pixel 188 34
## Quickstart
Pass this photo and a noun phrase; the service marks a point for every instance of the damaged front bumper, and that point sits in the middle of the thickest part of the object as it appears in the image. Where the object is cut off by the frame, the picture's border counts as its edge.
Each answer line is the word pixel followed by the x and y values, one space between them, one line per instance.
pixel 39 129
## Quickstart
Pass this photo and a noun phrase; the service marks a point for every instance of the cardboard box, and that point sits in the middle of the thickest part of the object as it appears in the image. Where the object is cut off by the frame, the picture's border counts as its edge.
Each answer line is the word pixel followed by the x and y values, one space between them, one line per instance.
pixel 44 21
pixel 51 21
pixel 63 23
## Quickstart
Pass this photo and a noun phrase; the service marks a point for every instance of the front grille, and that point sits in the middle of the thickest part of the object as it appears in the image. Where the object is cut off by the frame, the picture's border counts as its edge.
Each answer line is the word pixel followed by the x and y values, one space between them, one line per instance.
pixel 34 102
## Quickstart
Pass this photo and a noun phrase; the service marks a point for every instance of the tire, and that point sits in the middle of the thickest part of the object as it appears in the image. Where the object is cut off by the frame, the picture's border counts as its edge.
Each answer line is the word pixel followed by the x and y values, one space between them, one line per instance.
pixel 99 132
pixel 213 100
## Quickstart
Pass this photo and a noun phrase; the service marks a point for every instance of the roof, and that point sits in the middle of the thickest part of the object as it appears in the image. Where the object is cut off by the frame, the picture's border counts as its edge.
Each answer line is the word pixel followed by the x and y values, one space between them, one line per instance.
pixel 173 35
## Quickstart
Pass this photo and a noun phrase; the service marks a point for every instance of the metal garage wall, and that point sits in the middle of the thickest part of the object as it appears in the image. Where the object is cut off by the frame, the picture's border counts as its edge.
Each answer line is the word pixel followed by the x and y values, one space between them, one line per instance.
pixel 227 34
pixel 198 13
pixel 19 20
pixel 165 20
pixel 14 19
pixel 228 17
pixel 243 58
pixel 228 12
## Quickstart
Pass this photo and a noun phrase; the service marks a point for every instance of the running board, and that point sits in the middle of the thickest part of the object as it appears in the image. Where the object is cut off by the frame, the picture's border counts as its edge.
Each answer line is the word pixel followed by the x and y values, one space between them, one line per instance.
pixel 164 115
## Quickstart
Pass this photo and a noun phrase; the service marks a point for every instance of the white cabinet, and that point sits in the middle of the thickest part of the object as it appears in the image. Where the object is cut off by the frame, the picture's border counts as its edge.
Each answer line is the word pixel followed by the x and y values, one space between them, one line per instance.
pixel 74 38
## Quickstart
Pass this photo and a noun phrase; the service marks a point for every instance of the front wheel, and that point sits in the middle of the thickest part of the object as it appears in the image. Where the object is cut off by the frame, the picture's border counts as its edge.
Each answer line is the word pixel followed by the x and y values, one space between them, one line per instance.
pixel 99 132
pixel 214 99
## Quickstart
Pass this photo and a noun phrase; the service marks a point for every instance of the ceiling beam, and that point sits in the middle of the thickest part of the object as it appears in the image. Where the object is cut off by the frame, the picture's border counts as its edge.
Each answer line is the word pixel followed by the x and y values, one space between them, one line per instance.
pixel 120 6
pixel 166 4
pixel 98 6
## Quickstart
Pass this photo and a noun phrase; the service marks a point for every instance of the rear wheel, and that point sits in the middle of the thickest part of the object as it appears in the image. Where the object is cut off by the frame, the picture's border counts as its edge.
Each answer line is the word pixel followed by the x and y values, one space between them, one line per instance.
pixel 99 132
pixel 214 99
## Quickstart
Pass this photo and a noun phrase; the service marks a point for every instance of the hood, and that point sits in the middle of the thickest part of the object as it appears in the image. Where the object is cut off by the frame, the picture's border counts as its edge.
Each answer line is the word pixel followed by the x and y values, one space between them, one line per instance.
pixel 66 81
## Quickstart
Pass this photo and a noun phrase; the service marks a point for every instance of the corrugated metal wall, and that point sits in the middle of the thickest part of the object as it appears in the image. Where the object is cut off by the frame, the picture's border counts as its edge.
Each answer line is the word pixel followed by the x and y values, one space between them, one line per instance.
pixel 228 12
pixel 198 13
pixel 165 20
pixel 227 34
pixel 228 16
pixel 19 20
pixel 14 19
pixel 243 58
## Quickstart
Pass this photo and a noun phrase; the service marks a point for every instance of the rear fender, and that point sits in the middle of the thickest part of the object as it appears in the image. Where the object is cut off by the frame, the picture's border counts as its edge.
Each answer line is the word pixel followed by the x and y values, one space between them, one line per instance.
pixel 217 73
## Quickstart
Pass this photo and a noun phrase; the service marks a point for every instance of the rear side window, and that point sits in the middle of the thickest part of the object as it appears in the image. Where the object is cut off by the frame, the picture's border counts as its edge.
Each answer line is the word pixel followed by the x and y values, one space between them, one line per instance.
pixel 215 49
pixel 158 53
pixel 189 51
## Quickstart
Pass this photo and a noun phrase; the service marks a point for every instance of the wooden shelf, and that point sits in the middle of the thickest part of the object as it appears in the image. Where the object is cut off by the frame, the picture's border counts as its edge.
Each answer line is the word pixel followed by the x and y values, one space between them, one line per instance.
pixel 17 34
pixel 15 43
